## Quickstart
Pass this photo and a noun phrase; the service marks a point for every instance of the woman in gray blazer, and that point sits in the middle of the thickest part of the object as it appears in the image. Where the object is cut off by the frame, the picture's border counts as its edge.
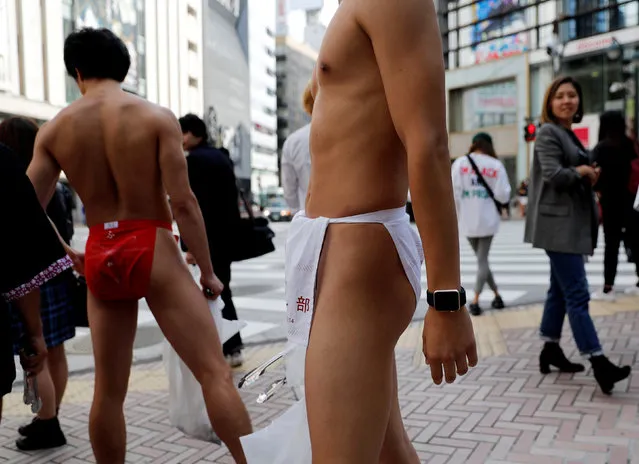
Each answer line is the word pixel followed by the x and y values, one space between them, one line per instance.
pixel 562 220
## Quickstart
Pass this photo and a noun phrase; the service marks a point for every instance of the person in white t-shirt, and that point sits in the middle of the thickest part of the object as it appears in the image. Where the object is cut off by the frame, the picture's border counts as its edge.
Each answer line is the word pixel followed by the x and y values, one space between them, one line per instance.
pixel 477 211
pixel 296 160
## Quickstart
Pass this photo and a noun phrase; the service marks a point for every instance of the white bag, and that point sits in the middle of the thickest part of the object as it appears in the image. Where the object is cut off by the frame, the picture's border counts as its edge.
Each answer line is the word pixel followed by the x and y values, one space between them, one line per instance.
pixel 636 205
pixel 286 440
pixel 187 410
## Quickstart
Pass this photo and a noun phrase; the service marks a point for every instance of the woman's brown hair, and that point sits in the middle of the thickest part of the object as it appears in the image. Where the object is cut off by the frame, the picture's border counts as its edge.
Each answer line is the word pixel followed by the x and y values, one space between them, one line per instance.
pixel 483 143
pixel 547 115
pixel 19 134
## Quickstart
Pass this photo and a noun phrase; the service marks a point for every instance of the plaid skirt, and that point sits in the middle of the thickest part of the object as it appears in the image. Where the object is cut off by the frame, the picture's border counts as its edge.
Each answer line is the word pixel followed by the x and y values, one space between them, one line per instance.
pixel 57 312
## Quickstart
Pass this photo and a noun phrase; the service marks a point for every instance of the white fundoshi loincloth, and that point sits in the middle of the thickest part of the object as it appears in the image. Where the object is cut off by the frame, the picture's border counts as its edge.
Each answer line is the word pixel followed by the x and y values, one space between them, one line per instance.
pixel 286 440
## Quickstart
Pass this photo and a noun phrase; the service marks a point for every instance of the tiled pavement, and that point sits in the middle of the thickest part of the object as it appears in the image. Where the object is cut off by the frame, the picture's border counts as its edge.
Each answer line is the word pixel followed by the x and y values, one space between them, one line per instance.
pixel 503 411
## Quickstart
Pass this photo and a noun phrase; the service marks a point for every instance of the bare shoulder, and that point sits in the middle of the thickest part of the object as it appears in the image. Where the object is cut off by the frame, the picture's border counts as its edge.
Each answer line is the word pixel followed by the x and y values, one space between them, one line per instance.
pixel 403 17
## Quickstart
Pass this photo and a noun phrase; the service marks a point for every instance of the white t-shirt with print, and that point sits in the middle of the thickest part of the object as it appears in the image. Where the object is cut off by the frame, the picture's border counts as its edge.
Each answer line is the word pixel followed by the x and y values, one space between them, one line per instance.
pixel 476 211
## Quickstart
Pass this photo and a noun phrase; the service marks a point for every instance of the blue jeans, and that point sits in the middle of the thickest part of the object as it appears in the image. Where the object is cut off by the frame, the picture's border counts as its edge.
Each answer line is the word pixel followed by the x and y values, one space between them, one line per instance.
pixel 569 294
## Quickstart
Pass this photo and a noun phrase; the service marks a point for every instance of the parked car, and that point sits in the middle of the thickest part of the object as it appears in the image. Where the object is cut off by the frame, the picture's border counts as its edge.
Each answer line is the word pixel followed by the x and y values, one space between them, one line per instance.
pixel 277 210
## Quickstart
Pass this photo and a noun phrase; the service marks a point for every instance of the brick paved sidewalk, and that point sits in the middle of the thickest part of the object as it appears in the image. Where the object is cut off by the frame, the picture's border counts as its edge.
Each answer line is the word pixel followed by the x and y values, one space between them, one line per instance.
pixel 503 411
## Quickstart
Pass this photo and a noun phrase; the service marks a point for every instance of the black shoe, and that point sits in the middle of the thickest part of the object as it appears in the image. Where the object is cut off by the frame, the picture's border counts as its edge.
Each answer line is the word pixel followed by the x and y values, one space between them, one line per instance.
pixel 498 303
pixel 26 429
pixel 607 374
pixel 553 355
pixel 43 434
pixel 474 309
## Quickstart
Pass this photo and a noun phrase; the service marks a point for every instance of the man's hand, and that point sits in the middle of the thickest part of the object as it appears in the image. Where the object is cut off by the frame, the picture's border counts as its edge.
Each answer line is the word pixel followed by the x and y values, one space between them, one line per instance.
pixel 78 260
pixel 449 342
pixel 190 259
pixel 37 350
pixel 212 286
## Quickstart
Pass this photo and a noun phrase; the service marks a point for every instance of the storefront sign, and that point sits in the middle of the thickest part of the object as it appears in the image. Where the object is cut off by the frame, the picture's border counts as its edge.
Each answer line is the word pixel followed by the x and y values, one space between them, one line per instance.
pixel 490 105
pixel 583 134
pixel 601 42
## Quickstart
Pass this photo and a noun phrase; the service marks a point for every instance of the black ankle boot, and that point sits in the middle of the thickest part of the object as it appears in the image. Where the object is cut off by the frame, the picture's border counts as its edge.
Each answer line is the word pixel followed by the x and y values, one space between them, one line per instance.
pixel 553 355
pixel 607 374
pixel 42 434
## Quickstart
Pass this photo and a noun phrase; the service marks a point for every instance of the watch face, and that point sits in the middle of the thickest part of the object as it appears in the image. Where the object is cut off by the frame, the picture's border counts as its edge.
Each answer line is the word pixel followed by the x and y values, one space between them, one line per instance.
pixel 447 300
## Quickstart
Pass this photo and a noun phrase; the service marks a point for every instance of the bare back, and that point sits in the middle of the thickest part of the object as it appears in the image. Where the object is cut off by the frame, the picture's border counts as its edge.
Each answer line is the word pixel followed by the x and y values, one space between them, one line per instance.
pixel 107 145
pixel 358 161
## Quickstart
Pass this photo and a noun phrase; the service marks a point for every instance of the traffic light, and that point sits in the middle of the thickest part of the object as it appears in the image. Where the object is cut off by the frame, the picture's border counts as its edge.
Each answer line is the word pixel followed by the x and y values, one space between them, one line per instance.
pixel 530 132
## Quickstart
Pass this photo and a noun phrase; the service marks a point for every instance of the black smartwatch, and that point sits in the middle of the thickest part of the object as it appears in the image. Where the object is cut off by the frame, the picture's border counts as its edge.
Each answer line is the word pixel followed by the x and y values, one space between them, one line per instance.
pixel 446 300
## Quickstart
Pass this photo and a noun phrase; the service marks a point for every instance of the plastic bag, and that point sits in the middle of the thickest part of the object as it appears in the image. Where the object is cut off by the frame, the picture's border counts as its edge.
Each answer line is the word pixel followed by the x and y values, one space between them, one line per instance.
pixel 187 410
pixel 286 440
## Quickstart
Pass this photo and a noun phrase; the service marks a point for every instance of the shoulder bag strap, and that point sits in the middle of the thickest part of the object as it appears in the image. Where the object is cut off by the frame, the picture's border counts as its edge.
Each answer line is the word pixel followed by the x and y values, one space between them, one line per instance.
pixel 483 182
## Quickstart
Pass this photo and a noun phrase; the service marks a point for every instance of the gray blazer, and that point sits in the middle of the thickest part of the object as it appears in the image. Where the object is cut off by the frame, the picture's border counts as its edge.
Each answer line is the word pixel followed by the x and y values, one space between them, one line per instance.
pixel 562 215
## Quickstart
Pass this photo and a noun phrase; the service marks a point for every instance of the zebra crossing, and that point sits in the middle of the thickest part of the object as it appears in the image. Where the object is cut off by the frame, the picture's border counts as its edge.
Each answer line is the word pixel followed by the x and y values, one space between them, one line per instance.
pixel 521 273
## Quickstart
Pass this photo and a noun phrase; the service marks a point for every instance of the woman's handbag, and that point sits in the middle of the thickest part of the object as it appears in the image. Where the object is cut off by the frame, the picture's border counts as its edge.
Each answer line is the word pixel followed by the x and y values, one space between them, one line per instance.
pixel 254 238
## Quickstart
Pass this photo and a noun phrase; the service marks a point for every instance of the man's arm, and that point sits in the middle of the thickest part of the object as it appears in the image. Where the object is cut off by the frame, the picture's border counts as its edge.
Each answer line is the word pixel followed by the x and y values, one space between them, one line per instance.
pixel 186 209
pixel 44 172
pixel 290 182
pixel 407 45
pixel 29 306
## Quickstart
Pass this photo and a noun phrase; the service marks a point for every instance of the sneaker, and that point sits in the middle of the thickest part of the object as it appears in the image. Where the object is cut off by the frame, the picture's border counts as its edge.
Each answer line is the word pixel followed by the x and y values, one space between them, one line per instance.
pixel 235 359
pixel 474 309
pixel 43 434
pixel 498 303
pixel 601 296
pixel 25 430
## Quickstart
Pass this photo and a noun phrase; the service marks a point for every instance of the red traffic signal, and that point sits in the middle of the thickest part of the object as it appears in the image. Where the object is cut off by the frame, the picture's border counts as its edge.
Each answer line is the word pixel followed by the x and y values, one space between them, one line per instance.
pixel 530 132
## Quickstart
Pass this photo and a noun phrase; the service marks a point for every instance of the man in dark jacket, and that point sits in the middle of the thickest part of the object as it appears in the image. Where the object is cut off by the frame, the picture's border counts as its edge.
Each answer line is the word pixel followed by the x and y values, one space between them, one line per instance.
pixel 213 182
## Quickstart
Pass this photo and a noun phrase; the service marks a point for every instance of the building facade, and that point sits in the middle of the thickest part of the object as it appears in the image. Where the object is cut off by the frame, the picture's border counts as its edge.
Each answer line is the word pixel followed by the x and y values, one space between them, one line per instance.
pixel 227 84
pixel 163 37
pixel 515 48
pixel 262 64
pixel 295 64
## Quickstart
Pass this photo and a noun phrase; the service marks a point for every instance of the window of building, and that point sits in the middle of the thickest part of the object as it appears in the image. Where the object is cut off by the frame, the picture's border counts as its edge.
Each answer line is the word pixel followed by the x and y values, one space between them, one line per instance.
pixel 585 18
pixel 596 73
pixel 193 82
pixel 269 111
pixel 478 31
pixel 270 72
pixel 271 92
pixel 484 106
pixel 191 11
pixel 263 149
pixel 263 129
pixel 192 46
pixel 269 51
pixel 269 32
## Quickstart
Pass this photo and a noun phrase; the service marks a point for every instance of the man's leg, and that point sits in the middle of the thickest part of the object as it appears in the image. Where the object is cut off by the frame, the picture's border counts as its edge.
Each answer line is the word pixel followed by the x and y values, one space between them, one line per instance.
pixel 364 302
pixel 233 345
pixel 181 310
pixel 397 447
pixel 113 325
pixel 59 369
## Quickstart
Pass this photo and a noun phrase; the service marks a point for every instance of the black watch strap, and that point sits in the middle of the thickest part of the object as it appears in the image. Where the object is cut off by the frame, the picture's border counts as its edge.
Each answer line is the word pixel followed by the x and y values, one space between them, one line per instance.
pixel 446 300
